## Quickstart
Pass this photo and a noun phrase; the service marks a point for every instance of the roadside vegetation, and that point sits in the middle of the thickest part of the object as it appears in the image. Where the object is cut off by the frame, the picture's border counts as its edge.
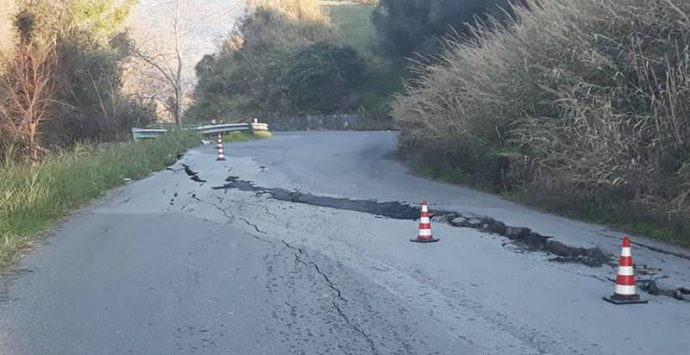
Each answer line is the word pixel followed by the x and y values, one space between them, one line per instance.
pixel 384 73
pixel 33 196
pixel 415 28
pixel 61 73
pixel 284 57
pixel 580 107
pixel 316 57
pixel 244 137
pixel 65 118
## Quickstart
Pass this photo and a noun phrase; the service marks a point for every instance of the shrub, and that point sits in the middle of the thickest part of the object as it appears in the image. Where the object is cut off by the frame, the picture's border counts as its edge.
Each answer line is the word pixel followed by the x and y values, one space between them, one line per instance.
pixel 321 78
pixel 74 85
pixel 584 99
pixel 88 90
pixel 409 26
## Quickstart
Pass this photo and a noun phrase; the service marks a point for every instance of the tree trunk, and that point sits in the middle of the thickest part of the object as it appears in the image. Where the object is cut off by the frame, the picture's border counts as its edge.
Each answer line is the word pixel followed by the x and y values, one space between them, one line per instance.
pixel 178 76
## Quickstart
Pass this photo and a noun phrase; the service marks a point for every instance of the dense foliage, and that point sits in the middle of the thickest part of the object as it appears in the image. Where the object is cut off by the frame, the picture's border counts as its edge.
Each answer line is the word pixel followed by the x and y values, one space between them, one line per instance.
pixel 256 68
pixel 583 104
pixel 61 56
pixel 321 78
pixel 408 26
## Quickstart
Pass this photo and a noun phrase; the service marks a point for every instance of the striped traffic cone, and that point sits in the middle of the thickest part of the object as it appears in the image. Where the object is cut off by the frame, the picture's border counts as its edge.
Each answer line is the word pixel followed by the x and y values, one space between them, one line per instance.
pixel 625 281
pixel 219 141
pixel 425 235
pixel 221 150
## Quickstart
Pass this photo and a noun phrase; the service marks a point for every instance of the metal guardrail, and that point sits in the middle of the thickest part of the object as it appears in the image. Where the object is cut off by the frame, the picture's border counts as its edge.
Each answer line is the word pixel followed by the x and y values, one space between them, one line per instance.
pixel 150 133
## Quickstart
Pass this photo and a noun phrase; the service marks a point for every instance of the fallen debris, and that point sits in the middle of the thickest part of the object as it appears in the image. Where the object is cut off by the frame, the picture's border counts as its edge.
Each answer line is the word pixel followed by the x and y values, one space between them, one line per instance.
pixel 189 170
pixel 197 179
pixel 532 241
pixel 651 287
pixel 459 222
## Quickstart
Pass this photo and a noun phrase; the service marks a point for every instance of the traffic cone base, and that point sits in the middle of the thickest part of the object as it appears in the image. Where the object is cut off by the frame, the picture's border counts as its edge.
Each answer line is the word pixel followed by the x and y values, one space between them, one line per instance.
pixel 424 240
pixel 618 299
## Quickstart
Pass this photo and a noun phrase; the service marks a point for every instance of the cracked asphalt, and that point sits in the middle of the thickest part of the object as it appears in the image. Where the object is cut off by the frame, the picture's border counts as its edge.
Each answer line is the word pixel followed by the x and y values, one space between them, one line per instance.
pixel 167 265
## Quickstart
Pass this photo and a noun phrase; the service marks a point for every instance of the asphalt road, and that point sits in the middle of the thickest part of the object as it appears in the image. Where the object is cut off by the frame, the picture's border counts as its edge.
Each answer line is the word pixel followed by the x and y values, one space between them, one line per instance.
pixel 170 266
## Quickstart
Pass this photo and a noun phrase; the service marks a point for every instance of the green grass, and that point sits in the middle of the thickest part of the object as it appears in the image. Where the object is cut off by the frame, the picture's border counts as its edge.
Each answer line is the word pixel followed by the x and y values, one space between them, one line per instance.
pixel 621 217
pixel 34 197
pixel 263 134
pixel 243 137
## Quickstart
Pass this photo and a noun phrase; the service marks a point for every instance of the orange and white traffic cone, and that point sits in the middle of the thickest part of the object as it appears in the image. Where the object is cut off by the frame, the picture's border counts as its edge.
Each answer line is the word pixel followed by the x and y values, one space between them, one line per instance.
pixel 425 235
pixel 625 292
pixel 221 150
pixel 219 141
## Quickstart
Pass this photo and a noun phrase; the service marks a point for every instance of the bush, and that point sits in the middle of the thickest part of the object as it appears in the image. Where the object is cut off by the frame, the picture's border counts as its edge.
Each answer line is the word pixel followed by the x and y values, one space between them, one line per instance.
pixel 74 87
pixel 88 90
pixel 409 26
pixel 586 100
pixel 321 78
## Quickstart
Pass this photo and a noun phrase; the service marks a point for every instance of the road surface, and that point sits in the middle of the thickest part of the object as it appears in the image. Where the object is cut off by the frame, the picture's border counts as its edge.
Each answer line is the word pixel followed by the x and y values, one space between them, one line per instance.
pixel 167 265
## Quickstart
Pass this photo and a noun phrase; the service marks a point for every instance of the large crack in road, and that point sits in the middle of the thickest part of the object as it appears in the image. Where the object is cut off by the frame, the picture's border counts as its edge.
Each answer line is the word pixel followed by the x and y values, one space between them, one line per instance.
pixel 299 258
pixel 522 237
pixel 395 210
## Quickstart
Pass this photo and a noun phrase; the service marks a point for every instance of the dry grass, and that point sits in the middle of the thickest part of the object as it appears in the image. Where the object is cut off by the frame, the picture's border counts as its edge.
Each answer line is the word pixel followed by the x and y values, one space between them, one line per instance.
pixel 8 9
pixel 587 99
pixel 263 134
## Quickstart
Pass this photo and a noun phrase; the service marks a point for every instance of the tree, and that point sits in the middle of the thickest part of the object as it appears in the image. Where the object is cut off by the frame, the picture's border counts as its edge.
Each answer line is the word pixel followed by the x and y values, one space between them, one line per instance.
pixel 82 99
pixel 89 91
pixel 30 84
pixel 408 26
pixel 163 52
pixel 101 18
